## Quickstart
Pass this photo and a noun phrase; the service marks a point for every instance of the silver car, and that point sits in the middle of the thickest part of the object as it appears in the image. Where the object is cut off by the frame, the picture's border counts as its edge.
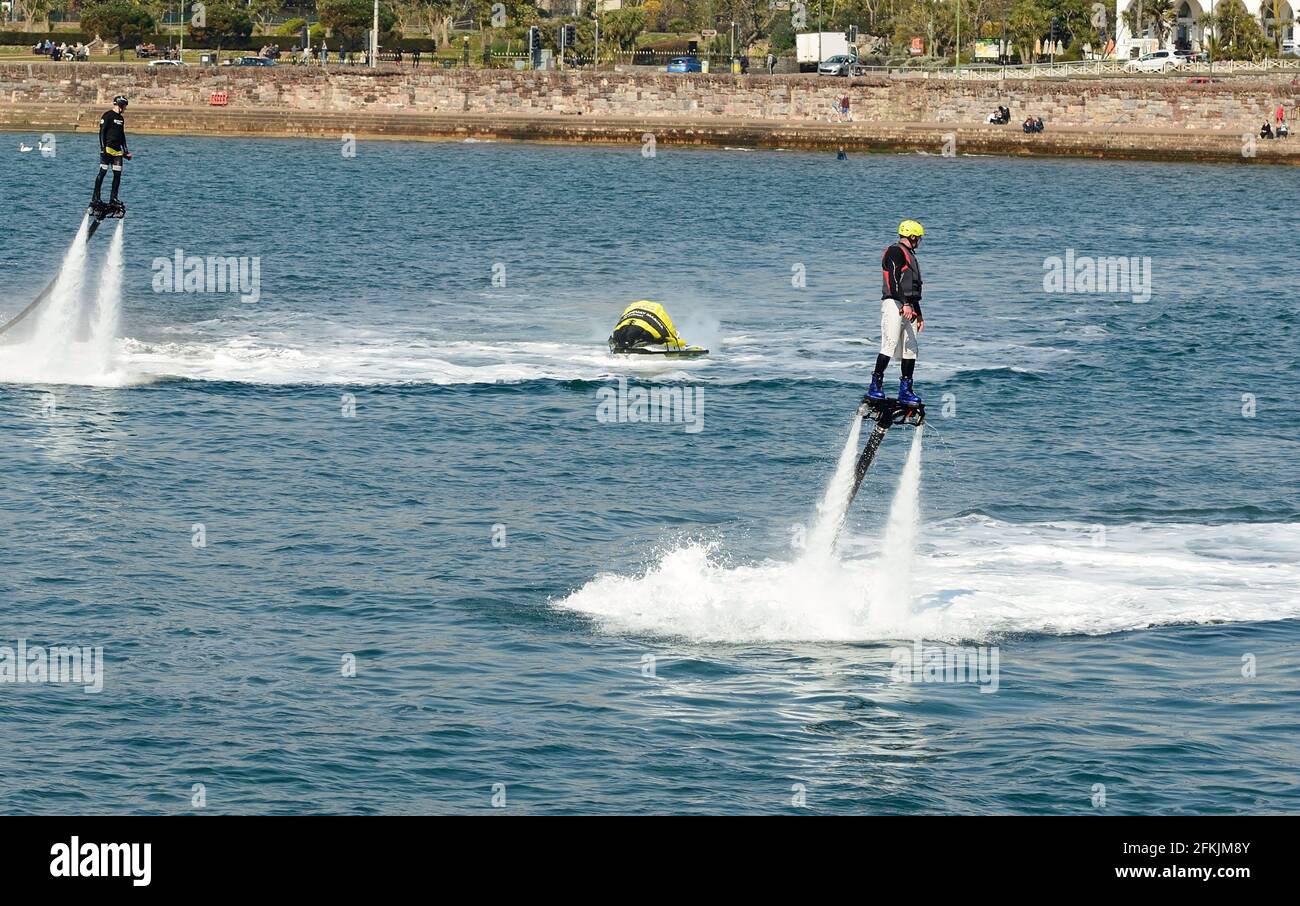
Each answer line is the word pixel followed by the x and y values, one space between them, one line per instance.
pixel 839 65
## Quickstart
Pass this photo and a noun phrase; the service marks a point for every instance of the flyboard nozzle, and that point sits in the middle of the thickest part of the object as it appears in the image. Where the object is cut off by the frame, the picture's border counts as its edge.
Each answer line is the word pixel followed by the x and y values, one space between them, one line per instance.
pixel 885 413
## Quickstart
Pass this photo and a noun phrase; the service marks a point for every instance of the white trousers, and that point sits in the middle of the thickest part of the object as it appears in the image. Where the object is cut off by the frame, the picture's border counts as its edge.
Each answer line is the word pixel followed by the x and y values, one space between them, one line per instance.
pixel 897 335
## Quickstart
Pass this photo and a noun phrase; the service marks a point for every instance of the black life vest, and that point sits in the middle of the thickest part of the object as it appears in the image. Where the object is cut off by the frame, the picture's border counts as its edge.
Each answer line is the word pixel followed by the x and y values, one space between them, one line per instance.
pixel 912 292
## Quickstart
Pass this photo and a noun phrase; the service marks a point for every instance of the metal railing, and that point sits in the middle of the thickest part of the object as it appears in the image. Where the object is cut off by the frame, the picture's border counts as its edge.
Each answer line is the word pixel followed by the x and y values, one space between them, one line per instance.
pixel 1095 68
pixel 721 63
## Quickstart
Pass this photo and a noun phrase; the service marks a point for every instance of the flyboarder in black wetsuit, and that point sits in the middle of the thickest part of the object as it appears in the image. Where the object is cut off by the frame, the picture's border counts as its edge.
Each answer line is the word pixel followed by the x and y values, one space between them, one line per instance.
pixel 112 151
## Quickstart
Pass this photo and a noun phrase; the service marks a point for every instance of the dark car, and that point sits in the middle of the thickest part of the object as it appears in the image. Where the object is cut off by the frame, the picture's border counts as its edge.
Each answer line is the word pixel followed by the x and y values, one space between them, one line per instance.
pixel 256 61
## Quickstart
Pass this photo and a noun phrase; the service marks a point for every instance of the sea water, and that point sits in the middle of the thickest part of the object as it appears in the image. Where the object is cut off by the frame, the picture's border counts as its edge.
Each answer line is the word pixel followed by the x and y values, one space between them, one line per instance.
pixel 366 546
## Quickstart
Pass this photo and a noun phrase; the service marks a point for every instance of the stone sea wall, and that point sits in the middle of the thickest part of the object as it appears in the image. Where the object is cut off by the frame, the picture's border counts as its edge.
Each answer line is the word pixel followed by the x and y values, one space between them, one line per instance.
pixel 1155 118
pixel 1231 104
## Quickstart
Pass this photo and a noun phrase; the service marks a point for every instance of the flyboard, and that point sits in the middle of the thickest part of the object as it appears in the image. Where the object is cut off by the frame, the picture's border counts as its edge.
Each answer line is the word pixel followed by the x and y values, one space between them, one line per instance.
pixel 886 413
pixel 663 350
pixel 115 210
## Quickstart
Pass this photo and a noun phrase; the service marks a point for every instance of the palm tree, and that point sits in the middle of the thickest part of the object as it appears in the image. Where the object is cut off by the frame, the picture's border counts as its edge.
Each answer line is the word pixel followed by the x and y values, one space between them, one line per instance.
pixel 1163 14
pixel 1160 15
pixel 1275 25
pixel 1134 19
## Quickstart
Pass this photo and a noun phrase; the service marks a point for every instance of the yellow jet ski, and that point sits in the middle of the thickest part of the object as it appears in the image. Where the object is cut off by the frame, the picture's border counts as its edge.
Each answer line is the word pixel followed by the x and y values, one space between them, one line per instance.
pixel 645 328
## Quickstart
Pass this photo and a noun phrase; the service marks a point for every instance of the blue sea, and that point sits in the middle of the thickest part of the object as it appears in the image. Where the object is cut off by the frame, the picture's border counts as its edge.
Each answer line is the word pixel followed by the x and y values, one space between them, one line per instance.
pixel 374 543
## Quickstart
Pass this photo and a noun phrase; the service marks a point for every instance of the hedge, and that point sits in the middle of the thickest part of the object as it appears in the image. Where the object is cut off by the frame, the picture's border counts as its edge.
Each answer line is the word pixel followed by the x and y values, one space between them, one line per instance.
pixel 29 39
pixel 254 42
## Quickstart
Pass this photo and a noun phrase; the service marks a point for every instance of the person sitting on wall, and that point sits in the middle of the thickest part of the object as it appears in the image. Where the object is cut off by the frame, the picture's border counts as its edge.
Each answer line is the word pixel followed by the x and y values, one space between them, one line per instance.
pixel 1282 130
pixel 1266 131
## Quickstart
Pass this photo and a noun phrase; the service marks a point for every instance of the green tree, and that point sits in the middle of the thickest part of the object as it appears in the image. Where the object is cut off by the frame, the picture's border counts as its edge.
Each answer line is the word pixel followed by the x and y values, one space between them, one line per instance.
pixel 263 12
pixel 1076 18
pixel 621 26
pixel 1156 16
pixel 1027 22
pixel 1237 34
pixel 35 12
pixel 936 21
pixel 1163 14
pixel 118 20
pixel 223 22
pixel 408 14
pixel 1275 22
pixel 436 16
pixel 349 20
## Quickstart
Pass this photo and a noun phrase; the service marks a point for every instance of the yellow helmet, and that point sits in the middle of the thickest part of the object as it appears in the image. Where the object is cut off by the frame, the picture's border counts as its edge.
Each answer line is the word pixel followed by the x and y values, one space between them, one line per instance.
pixel 910 228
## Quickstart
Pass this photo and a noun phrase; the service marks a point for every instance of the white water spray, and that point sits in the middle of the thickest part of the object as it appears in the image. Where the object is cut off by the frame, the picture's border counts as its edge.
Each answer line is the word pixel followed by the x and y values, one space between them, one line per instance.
pixel 56 320
pixel 108 308
pixel 891 592
pixel 69 339
pixel 835 502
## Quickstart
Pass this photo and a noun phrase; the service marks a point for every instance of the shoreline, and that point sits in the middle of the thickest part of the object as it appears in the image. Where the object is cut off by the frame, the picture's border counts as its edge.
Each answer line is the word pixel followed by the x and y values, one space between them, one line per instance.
pixel 1159 119
pixel 1183 145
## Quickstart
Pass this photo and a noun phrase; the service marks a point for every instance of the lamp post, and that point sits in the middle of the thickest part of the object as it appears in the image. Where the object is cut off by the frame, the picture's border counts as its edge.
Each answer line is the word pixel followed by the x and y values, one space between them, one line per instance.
pixel 1002 43
pixel 374 38
pixel 959 39
pixel 1209 46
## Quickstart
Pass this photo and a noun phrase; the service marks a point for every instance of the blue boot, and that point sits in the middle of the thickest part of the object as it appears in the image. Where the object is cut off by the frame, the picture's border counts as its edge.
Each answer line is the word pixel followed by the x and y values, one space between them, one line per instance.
pixel 906 395
pixel 875 392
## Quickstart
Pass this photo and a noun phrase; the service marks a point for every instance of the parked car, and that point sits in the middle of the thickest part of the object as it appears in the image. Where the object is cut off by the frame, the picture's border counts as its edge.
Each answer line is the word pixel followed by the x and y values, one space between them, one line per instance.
pixel 255 61
pixel 685 64
pixel 838 65
pixel 166 63
pixel 1156 61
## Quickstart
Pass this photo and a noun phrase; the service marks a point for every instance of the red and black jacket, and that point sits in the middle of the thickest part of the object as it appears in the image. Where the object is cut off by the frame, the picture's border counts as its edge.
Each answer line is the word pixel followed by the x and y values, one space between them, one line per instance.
pixel 901 276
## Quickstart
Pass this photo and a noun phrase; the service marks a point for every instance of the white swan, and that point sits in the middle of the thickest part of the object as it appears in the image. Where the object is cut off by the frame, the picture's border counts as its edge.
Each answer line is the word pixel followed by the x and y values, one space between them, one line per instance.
pixel 23 147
